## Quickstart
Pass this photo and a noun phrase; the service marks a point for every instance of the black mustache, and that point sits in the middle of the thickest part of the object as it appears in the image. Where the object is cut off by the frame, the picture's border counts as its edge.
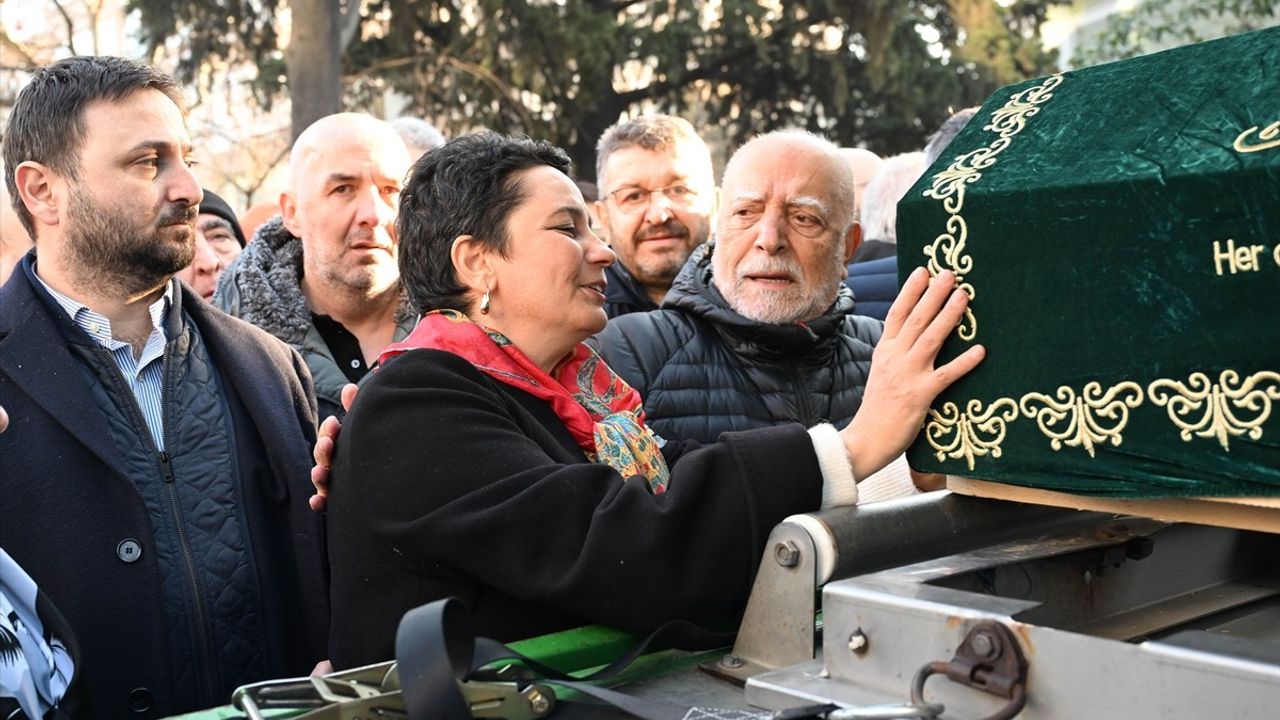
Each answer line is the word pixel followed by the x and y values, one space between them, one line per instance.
pixel 185 214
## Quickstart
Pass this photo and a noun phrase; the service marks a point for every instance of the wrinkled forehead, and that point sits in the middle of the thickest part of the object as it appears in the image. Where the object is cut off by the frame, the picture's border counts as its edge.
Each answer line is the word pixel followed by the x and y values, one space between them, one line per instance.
pixel 208 221
pixel 786 173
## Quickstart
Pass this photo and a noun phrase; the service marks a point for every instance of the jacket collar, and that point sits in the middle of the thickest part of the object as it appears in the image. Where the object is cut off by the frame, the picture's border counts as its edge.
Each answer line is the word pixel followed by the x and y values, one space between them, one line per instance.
pixel 695 293
pixel 269 275
pixel 624 290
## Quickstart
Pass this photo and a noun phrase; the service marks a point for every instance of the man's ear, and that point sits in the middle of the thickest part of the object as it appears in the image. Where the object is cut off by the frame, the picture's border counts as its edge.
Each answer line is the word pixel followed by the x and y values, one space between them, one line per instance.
pixel 599 217
pixel 289 213
pixel 39 187
pixel 852 241
pixel 472 263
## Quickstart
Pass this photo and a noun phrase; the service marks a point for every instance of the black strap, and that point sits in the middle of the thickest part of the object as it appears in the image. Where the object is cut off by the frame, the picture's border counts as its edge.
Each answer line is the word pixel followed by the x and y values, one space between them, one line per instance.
pixel 433 652
pixel 436 648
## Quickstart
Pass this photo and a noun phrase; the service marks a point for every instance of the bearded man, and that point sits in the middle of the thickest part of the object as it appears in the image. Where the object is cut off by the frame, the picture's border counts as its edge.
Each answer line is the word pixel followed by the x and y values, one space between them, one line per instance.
pixel 323 275
pixel 758 329
pixel 154 478
pixel 657 196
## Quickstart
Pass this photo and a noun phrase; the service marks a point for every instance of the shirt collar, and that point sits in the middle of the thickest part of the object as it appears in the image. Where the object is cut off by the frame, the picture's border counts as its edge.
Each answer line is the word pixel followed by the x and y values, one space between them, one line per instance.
pixel 97 325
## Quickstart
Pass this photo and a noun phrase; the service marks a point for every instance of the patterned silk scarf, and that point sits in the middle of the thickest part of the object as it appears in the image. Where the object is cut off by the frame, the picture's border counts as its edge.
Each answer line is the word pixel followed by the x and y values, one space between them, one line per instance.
pixel 603 413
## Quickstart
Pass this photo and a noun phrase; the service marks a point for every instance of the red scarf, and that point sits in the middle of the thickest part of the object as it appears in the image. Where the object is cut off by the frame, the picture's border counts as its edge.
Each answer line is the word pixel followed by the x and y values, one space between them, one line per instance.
pixel 602 412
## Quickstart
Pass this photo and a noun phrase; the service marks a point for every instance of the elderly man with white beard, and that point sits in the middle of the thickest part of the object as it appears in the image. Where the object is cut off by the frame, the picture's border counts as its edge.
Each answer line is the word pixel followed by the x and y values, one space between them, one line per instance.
pixel 758 329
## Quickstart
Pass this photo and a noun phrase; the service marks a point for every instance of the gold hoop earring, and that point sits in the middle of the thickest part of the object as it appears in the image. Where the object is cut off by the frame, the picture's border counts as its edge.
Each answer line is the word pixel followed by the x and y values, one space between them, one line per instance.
pixel 484 303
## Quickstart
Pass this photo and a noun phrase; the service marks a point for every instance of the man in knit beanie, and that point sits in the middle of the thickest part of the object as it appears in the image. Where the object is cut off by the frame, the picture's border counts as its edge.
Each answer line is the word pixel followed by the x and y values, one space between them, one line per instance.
pixel 218 242
pixel 220 227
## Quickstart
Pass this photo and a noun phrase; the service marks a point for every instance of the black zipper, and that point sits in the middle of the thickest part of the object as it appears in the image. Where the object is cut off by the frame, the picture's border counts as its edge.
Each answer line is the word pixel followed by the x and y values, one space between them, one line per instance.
pixel 202 623
pixel 802 395
pixel 205 660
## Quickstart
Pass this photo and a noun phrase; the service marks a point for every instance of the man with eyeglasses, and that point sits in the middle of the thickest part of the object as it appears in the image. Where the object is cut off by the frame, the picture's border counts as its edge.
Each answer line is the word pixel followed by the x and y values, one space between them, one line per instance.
pixel 657 197
pixel 758 329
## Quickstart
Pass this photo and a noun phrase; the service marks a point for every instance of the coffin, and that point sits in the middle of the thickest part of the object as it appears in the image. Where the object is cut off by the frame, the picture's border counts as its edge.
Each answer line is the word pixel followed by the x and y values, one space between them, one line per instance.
pixel 1118 229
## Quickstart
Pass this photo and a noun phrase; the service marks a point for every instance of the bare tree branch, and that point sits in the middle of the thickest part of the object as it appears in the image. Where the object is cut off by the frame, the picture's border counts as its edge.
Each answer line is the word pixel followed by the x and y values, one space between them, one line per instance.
pixel 71 27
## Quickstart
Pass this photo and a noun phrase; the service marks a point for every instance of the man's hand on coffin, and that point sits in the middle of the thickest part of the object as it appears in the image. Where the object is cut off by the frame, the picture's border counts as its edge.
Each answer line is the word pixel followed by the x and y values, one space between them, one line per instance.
pixel 903 381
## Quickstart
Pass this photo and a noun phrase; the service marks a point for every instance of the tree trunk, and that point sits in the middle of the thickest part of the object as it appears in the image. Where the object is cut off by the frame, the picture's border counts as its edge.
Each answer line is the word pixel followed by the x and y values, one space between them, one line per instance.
pixel 314 62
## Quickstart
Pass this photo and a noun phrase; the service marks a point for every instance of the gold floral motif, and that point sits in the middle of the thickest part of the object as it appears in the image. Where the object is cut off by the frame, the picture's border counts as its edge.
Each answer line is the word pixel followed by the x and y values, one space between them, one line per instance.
pixel 1268 138
pixel 1091 418
pixel 1202 408
pixel 1012 118
pixel 948 185
pixel 947 252
pixel 971 434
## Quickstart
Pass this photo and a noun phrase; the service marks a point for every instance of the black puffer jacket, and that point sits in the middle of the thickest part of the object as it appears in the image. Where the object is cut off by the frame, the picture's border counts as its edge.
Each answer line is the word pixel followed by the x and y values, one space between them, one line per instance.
pixel 703 369
pixel 624 294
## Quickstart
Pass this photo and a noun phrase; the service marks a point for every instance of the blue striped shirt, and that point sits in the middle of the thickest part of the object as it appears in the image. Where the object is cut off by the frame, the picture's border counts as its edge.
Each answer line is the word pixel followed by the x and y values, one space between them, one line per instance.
pixel 143 375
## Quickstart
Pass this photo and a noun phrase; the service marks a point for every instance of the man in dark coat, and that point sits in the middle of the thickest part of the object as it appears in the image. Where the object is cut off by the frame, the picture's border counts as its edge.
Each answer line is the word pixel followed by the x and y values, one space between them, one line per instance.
pixel 758 329
pixel 323 277
pixel 657 196
pixel 154 478
pixel 873 274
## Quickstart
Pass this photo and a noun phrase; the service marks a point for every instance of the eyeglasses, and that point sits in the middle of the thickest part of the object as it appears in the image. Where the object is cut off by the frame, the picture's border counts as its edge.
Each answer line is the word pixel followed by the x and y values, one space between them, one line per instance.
pixel 634 199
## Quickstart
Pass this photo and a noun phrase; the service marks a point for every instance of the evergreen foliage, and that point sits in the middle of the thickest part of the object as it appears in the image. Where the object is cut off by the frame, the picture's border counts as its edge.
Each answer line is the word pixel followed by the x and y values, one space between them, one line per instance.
pixel 883 73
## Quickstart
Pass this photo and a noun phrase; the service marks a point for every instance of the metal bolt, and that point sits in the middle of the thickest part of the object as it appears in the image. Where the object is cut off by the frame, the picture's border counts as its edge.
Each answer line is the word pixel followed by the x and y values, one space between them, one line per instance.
pixel 731 661
pixel 984 645
pixel 858 642
pixel 787 554
pixel 538 702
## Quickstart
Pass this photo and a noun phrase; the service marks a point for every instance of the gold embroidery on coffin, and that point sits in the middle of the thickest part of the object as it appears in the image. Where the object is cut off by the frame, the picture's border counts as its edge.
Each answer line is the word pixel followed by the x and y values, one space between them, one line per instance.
pixel 947 252
pixel 973 433
pixel 1083 420
pixel 1204 409
pixel 1269 138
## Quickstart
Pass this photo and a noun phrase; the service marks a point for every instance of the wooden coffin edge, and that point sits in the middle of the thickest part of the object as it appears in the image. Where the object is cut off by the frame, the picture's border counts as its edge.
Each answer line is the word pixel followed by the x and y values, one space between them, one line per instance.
pixel 1261 514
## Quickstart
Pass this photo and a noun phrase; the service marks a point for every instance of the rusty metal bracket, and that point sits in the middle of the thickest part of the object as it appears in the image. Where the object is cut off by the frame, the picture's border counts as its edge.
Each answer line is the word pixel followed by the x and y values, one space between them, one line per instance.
pixel 989 659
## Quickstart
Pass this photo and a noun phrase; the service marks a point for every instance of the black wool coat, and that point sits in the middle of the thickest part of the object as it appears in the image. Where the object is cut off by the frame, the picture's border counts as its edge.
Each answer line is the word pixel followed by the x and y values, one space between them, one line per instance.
pixel 449 483
pixel 67 506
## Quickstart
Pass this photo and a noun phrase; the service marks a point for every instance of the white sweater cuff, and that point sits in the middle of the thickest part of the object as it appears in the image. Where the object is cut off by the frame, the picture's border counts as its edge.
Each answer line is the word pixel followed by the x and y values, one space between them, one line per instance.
pixel 892 481
pixel 838 486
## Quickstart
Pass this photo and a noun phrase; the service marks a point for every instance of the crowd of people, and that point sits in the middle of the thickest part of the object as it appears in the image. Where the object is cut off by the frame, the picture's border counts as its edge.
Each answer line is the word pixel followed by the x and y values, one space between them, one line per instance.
pixel 571 410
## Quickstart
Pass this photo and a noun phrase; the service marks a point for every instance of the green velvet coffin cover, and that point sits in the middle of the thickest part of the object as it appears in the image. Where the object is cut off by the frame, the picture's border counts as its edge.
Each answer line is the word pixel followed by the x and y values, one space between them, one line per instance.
pixel 1118 229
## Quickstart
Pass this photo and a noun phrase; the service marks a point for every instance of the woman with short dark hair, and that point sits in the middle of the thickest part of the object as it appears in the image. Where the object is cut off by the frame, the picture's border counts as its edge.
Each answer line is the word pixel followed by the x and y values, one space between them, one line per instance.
pixel 495 458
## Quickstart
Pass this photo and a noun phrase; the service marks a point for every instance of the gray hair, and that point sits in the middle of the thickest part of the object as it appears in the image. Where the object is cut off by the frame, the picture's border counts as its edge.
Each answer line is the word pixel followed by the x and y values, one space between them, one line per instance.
pixel 651 132
pixel 418 135
pixel 939 141
pixel 844 195
pixel 880 200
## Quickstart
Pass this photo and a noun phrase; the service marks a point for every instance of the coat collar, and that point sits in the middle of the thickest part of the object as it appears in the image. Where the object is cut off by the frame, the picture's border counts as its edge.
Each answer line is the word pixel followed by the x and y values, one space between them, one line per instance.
pixel 624 290
pixel 694 292
pixel 268 274
pixel 34 354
